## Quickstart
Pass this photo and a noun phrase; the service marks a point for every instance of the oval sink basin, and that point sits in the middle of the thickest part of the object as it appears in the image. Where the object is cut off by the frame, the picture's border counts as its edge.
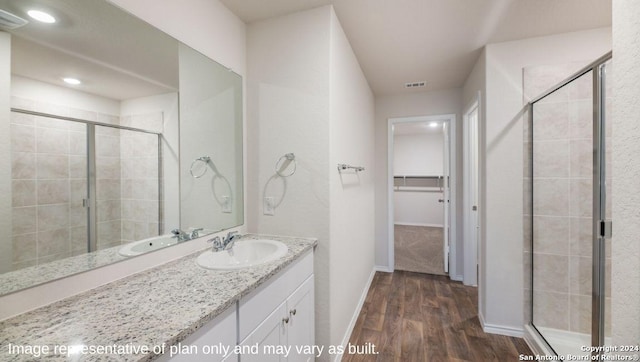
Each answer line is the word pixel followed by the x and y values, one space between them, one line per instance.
pixel 245 253
pixel 147 245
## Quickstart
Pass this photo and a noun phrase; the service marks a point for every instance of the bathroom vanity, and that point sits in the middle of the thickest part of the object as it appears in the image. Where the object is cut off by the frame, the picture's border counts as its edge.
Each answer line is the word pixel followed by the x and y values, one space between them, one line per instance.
pixel 180 311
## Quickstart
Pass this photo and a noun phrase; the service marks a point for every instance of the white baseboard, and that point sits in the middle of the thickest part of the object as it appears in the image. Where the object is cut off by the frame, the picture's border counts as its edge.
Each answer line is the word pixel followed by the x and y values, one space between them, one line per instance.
pixel 498 329
pixel 382 268
pixel 356 313
pixel 418 224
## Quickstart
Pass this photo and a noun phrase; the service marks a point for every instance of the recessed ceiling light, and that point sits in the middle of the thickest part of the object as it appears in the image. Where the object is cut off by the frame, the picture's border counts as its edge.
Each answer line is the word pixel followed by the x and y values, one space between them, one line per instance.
pixel 433 124
pixel 72 81
pixel 41 16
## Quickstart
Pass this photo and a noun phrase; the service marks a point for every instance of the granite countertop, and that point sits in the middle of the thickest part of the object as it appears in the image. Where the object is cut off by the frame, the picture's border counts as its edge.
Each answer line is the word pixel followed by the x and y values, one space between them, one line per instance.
pixel 159 306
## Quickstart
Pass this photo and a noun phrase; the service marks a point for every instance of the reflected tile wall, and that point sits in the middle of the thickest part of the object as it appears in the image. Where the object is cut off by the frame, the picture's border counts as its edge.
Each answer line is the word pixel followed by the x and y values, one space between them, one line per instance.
pixel 139 175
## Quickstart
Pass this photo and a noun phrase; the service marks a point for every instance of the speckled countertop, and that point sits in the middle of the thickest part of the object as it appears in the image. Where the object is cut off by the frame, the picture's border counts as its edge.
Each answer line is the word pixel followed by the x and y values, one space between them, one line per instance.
pixel 159 306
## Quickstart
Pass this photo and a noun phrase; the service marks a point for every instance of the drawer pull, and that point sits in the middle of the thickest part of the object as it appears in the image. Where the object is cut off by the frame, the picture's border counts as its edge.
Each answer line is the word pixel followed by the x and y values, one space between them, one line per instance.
pixel 292 312
pixel 286 319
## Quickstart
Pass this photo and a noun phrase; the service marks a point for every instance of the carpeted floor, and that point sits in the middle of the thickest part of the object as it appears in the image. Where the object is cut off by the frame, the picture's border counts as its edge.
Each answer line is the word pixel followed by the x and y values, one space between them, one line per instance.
pixel 419 249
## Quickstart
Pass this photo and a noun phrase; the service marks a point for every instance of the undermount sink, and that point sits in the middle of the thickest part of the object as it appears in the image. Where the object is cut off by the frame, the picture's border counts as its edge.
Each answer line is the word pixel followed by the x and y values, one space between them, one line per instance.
pixel 244 254
pixel 147 245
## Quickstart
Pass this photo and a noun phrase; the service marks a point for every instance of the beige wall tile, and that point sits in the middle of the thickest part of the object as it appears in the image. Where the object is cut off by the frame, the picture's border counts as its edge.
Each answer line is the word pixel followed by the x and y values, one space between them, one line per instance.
pixel 23 138
pixel 551 310
pixel 53 242
pixel 551 158
pixel 23 165
pixel 550 273
pixel 581 197
pixel 51 217
pixel 24 220
pixel 551 197
pixel 52 166
pixel 551 235
pixel 580 314
pixel 23 193
pixel 53 192
pixel 24 247
pixel 580 275
pixel 50 140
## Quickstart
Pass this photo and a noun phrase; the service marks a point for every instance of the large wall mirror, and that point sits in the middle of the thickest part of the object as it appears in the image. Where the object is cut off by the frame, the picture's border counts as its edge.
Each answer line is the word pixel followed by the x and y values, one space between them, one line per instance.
pixel 121 140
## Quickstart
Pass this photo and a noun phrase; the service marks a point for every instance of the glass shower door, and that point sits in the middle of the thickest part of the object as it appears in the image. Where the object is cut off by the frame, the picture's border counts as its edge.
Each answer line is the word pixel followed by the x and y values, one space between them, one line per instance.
pixel 562 215
pixel 571 213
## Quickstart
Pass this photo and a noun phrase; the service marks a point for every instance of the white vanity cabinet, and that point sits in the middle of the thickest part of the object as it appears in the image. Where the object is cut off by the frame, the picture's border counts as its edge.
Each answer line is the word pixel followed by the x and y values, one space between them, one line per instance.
pixel 279 316
pixel 204 344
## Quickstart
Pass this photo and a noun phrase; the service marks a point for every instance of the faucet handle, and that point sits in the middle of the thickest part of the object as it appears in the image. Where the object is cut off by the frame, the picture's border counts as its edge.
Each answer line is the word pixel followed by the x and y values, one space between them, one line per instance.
pixel 217 243
pixel 231 235
pixel 195 233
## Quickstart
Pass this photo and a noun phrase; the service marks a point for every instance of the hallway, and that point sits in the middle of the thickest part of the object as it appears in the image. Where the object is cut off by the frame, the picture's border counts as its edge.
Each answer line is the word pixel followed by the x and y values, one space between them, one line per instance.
pixel 420 317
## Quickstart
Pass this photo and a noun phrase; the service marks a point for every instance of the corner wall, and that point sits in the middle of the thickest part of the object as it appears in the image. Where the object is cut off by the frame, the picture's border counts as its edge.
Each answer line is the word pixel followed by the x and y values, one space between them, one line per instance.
pixel 307 96
pixel 626 172
pixel 351 140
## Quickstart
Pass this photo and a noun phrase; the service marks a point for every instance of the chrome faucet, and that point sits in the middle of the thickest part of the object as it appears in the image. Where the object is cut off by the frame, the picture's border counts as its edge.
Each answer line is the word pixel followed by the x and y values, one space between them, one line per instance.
pixel 195 233
pixel 183 236
pixel 180 235
pixel 226 243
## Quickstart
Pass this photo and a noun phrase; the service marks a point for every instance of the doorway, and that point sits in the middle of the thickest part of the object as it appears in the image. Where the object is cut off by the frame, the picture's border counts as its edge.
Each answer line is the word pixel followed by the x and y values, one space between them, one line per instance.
pixel 421 198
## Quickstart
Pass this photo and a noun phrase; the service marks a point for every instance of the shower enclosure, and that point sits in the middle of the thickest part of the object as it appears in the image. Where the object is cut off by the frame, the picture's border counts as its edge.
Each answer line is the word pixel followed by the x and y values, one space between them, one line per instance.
pixel 82 183
pixel 569 211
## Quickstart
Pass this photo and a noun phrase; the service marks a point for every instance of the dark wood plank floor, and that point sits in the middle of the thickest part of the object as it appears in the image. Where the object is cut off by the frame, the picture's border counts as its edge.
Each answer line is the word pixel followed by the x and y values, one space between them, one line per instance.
pixel 422 317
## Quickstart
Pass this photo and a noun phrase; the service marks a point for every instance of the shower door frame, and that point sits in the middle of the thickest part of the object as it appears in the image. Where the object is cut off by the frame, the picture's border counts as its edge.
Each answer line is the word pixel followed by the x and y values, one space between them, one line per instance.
pixel 90 203
pixel 601 227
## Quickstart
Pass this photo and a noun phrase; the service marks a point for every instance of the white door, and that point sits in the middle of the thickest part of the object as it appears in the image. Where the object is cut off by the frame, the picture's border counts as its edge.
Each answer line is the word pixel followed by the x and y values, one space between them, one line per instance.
pixel 445 195
pixel 471 199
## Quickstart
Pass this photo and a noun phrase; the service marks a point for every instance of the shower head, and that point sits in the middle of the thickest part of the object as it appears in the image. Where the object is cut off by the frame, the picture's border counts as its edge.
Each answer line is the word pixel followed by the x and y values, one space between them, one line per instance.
pixel 9 21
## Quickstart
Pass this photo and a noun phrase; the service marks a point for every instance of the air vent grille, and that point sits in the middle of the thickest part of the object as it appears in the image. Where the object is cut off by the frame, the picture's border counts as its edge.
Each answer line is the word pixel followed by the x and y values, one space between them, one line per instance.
pixel 9 21
pixel 420 84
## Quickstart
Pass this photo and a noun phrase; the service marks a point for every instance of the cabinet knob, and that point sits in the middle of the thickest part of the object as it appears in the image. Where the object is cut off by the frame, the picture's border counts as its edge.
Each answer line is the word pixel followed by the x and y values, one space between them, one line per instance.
pixel 292 312
pixel 286 319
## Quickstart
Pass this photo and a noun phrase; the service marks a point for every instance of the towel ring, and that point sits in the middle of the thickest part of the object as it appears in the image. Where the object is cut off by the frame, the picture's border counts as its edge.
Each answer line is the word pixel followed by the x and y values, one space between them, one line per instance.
pixel 205 159
pixel 283 162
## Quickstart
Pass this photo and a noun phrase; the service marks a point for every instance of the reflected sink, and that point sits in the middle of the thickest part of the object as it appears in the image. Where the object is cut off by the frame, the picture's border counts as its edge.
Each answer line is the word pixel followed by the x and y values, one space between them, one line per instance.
pixel 147 245
pixel 245 253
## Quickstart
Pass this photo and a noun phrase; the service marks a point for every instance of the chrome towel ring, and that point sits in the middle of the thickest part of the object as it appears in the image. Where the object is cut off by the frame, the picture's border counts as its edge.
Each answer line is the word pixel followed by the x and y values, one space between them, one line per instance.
pixel 283 163
pixel 205 160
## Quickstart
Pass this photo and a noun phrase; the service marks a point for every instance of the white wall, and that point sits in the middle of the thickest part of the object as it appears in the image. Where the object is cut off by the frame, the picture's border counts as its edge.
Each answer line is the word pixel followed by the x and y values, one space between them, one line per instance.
pixel 420 154
pixel 502 151
pixel 413 104
pixel 626 172
pixel 352 134
pixel 307 95
pixel 288 111
pixel 6 249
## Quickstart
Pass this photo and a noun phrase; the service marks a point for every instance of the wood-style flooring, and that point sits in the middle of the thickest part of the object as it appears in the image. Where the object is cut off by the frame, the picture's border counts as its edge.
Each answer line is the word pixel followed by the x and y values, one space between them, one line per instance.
pixel 421 317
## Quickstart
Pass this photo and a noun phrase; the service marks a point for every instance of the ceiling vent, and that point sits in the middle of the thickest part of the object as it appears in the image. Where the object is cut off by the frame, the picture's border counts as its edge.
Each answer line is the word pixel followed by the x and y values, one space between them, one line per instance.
pixel 9 21
pixel 421 84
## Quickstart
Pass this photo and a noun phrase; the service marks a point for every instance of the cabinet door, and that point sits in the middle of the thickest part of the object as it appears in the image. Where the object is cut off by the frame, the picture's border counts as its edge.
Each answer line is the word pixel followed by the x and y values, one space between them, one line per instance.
pixel 301 321
pixel 203 344
pixel 269 336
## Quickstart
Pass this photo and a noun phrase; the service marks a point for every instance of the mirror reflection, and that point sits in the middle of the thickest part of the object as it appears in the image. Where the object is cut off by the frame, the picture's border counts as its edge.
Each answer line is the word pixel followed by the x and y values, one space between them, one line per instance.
pixel 109 121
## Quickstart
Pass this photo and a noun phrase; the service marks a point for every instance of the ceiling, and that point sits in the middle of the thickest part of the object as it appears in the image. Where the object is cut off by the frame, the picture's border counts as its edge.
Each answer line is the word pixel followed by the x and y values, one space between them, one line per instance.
pixel 437 41
pixel 113 53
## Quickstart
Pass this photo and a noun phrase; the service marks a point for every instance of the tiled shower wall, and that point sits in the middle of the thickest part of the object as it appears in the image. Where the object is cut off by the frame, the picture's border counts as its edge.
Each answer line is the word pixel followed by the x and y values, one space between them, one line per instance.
pixel 563 174
pixel 49 182
pixel 140 176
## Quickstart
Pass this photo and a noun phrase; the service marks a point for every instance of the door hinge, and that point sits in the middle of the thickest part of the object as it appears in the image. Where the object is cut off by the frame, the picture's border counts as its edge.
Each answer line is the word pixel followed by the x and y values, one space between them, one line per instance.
pixel 606 229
